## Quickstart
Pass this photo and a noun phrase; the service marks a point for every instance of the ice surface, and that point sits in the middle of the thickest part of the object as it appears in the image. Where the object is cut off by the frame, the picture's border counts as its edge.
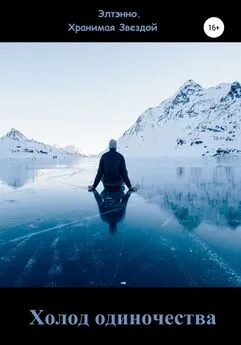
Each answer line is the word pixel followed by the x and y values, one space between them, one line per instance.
pixel 182 227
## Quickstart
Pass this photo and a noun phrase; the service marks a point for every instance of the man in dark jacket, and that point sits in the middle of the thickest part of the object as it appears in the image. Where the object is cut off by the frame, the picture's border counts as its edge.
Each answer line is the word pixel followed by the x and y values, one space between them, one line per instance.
pixel 112 170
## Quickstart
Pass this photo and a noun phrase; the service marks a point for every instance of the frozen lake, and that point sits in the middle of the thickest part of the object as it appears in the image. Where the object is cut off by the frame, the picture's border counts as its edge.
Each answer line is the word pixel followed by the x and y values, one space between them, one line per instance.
pixel 182 228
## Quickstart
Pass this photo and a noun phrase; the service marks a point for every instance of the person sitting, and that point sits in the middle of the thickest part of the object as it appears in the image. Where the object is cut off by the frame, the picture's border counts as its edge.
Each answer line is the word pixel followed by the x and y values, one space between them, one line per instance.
pixel 112 170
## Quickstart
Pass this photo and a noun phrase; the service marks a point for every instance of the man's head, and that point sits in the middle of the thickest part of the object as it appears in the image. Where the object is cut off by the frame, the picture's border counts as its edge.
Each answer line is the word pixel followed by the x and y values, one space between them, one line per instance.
pixel 112 144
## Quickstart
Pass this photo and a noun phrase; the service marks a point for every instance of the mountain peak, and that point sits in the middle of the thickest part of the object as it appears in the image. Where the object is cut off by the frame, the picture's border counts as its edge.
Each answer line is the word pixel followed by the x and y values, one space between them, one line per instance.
pixel 14 134
pixel 236 87
pixel 234 92
pixel 190 84
pixel 189 88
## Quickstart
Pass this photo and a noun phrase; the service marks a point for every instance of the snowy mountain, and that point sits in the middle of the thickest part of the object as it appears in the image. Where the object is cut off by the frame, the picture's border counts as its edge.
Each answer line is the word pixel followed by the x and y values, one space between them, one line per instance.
pixel 15 135
pixel 193 122
pixel 15 145
pixel 74 149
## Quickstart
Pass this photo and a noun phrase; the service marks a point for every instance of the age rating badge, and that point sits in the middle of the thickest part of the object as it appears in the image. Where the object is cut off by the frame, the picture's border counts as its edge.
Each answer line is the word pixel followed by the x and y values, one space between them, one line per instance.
pixel 213 27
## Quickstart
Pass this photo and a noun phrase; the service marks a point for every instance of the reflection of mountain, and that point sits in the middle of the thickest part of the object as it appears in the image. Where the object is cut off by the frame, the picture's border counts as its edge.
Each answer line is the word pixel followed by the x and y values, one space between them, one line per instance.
pixel 233 216
pixel 186 215
pixel 218 211
pixel 15 174
pixel 212 195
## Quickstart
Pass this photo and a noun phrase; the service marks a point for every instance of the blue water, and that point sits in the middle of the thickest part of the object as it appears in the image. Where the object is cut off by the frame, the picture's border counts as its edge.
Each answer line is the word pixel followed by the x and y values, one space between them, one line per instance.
pixel 182 227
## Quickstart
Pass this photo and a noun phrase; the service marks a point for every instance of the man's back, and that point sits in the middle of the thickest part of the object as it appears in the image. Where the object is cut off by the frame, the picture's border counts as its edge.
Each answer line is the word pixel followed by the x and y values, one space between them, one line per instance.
pixel 112 170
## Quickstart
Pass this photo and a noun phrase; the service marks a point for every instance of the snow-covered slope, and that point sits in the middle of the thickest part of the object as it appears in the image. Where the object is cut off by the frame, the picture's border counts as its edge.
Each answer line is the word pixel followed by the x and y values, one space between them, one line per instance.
pixel 15 145
pixel 193 122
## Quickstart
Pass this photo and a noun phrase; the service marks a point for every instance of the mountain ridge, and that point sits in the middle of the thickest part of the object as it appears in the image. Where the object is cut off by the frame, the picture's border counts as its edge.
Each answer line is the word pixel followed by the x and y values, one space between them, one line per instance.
pixel 14 144
pixel 194 121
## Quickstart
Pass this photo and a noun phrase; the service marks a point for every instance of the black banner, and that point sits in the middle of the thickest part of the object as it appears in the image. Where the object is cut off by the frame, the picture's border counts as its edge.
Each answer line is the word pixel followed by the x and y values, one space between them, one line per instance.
pixel 120 24
pixel 99 311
